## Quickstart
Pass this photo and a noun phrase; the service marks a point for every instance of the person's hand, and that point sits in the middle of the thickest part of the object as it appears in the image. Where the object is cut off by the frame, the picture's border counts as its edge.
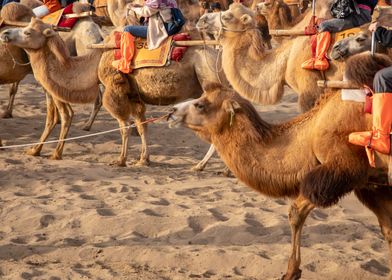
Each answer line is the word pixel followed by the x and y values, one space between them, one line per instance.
pixel 373 26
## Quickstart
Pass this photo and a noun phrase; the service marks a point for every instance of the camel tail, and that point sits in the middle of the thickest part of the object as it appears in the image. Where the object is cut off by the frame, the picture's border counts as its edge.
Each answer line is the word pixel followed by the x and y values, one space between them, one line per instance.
pixel 325 185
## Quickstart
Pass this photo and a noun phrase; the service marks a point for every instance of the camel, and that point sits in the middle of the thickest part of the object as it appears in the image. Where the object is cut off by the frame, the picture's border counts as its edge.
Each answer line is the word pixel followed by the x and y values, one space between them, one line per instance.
pixel 307 159
pixel 124 95
pixel 260 75
pixel 15 63
pixel 61 77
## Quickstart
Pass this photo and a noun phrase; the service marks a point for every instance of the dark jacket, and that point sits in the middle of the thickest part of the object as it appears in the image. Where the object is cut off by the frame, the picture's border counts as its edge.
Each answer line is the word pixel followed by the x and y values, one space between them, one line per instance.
pixel 384 36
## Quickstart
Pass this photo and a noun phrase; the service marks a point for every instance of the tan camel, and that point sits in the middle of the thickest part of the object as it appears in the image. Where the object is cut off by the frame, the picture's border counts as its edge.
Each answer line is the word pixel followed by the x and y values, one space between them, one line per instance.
pixel 307 159
pixel 66 79
pixel 124 95
pixel 260 75
pixel 14 61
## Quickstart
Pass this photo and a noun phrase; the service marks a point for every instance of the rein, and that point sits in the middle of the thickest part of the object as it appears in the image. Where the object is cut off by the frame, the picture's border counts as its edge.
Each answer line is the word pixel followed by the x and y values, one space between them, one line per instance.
pixel 15 61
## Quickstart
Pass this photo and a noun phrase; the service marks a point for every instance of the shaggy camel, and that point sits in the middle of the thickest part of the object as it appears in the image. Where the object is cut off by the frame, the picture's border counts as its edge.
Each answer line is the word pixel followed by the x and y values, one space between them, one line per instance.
pixel 307 159
pixel 14 60
pixel 277 12
pixel 260 75
pixel 124 95
pixel 50 60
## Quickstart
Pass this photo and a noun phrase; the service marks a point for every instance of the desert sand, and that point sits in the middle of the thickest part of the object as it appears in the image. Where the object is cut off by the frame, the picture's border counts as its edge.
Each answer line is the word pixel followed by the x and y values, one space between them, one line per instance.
pixel 80 218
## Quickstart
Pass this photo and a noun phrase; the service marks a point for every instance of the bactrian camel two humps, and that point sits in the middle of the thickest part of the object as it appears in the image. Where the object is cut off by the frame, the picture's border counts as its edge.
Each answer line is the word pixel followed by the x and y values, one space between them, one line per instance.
pixel 307 159
pixel 75 79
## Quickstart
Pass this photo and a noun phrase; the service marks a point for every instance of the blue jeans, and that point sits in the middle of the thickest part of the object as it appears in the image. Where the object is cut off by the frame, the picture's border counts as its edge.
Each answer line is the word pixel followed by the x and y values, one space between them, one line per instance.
pixel 4 2
pixel 141 30
pixel 383 80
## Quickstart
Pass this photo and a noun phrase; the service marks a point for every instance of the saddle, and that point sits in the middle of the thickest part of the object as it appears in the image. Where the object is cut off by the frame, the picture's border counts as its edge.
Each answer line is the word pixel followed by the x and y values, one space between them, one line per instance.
pixel 57 18
pixel 133 53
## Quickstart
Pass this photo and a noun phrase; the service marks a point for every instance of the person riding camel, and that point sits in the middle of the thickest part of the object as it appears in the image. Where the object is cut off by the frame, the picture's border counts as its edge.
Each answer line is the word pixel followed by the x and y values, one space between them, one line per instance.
pixel 158 21
pixel 347 14
pixel 379 139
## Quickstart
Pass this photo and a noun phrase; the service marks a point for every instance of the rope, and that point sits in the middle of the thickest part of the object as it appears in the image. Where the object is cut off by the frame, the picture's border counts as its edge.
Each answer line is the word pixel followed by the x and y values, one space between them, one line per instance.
pixel 14 60
pixel 151 120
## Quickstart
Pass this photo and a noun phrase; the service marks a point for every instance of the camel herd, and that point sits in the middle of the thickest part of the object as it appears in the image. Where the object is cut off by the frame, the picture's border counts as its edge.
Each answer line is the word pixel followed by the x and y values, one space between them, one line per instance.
pixel 319 164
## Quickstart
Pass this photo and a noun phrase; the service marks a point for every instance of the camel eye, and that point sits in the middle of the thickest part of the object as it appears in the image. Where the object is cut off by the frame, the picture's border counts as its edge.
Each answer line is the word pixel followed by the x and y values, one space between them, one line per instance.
pixel 360 39
pixel 227 16
pixel 27 32
pixel 199 106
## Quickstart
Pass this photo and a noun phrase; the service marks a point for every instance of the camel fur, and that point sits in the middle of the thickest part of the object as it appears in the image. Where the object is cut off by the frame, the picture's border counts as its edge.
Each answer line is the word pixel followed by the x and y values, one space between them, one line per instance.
pixel 66 79
pixel 307 159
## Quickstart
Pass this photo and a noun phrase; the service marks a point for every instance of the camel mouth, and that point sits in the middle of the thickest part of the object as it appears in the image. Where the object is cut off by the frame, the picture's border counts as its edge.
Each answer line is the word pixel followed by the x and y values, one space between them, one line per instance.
pixel 4 38
pixel 174 121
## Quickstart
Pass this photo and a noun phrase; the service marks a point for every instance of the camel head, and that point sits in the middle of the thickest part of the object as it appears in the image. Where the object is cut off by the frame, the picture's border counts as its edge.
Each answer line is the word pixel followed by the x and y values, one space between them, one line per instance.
pixel 229 23
pixel 32 37
pixel 351 45
pixel 212 113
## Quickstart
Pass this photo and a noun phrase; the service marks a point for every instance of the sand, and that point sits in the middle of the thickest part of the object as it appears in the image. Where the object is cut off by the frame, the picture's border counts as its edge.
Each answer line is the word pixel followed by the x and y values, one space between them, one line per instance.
pixel 80 218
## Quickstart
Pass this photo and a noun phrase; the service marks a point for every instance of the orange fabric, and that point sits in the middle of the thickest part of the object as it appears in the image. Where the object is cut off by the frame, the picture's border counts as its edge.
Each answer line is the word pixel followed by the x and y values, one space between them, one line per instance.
pixel 53 5
pixel 127 49
pixel 379 138
pixel 323 43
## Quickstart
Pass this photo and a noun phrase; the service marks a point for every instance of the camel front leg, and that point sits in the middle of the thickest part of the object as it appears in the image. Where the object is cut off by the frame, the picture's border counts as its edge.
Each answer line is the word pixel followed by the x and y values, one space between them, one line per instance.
pixel 13 89
pixel 379 201
pixel 299 210
pixel 66 115
pixel 138 111
pixel 96 108
pixel 51 121
pixel 202 164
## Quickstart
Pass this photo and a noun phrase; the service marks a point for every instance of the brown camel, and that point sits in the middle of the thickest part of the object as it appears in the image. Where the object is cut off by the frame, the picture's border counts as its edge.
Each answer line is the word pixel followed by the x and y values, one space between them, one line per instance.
pixel 66 79
pixel 307 159
pixel 260 75
pixel 124 95
pixel 14 60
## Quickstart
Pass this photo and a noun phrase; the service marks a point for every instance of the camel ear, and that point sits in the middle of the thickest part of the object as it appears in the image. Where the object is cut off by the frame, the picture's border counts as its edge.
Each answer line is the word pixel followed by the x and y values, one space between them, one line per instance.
pixel 246 19
pixel 48 32
pixel 231 106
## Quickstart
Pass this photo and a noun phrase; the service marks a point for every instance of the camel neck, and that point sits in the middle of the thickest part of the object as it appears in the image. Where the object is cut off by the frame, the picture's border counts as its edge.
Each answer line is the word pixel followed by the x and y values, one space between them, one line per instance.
pixel 70 79
pixel 269 162
pixel 257 78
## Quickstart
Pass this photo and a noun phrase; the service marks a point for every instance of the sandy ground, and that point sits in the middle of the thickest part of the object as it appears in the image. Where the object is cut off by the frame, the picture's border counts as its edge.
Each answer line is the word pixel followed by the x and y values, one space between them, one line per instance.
pixel 80 218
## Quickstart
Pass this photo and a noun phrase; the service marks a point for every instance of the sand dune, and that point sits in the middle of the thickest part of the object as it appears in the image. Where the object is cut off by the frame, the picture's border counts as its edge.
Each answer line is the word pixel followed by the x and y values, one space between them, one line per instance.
pixel 80 218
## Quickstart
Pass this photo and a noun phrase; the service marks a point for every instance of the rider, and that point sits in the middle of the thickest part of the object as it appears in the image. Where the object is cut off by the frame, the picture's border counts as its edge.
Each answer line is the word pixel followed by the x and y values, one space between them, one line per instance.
pixel 379 138
pixel 323 38
pixel 156 16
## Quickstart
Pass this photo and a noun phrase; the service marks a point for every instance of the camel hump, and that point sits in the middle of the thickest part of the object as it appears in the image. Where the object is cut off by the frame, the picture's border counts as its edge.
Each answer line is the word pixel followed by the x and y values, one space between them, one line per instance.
pixel 16 12
pixel 361 68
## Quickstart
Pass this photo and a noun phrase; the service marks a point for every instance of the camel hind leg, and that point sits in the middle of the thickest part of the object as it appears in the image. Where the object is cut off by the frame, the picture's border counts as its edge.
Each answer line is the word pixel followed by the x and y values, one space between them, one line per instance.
pixel 51 121
pixel 94 112
pixel 13 90
pixel 299 211
pixel 66 115
pixel 379 201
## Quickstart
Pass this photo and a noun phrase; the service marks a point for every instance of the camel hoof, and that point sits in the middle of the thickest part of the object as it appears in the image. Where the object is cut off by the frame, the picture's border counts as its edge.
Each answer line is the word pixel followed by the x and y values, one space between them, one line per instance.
pixel 6 115
pixel 86 127
pixel 295 276
pixel 143 162
pixel 197 168
pixel 55 157
pixel 120 163
pixel 33 152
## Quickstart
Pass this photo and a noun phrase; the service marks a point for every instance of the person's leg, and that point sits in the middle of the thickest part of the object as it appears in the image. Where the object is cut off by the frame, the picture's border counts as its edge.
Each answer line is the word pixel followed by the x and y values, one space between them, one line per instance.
pixel 379 138
pixel 137 31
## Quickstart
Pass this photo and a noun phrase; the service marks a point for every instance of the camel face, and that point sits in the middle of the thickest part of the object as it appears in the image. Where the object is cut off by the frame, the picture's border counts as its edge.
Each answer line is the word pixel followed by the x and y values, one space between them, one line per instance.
pixel 31 37
pixel 264 7
pixel 351 45
pixel 237 18
pixel 207 115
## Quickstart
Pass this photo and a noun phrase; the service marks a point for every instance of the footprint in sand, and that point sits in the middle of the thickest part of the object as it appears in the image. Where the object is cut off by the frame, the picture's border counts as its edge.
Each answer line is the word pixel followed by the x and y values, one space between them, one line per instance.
pixel 46 220
pixel 112 190
pixel 162 202
pixel 105 212
pixel 151 212
pixel 74 242
pixel 87 197
pixel 218 215
pixel 76 188
pixel 318 215
pixel 375 267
